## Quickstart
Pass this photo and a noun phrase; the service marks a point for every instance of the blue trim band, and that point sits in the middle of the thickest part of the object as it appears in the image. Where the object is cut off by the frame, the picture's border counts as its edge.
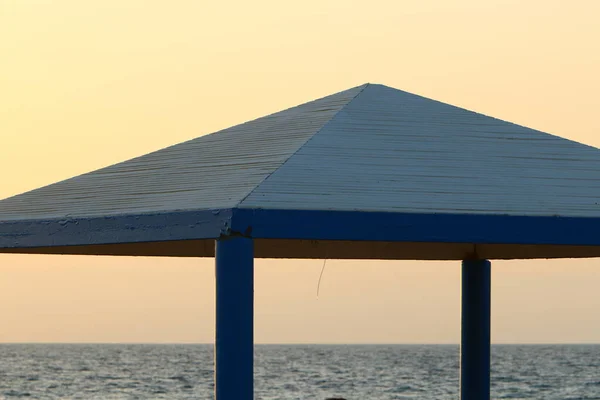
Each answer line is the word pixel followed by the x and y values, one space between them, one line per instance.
pixel 404 227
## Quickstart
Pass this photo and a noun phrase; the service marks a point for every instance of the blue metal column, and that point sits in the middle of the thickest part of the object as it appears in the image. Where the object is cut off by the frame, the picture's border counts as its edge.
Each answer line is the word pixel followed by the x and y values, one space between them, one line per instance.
pixel 475 336
pixel 234 342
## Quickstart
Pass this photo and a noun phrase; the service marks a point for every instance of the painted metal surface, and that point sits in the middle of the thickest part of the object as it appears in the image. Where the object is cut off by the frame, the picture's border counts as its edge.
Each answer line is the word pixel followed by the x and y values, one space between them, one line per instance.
pixel 234 342
pixel 475 334
pixel 425 227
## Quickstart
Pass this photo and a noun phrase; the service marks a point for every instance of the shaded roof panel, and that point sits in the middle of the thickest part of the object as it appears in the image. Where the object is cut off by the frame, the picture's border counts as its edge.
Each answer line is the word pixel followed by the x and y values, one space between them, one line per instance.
pixel 393 151
pixel 215 171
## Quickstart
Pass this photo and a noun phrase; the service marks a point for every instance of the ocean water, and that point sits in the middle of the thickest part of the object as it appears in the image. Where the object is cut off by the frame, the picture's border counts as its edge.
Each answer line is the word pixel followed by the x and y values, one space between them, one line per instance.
pixel 357 372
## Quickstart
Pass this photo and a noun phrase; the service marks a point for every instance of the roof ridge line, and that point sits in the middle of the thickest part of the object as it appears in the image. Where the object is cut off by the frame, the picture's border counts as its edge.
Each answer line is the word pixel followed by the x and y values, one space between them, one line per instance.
pixel 302 145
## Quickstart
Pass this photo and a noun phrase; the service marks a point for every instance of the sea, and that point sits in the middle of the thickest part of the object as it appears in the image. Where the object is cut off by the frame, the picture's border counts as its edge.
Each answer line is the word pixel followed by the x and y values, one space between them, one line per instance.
pixel 302 372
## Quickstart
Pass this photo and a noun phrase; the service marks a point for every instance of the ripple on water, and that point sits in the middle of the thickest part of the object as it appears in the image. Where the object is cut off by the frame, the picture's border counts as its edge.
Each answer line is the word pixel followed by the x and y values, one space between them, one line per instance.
pixel 292 372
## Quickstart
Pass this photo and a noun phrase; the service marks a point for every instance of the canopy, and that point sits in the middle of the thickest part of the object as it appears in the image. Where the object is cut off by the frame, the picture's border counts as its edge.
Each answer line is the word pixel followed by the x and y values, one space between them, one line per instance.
pixel 370 172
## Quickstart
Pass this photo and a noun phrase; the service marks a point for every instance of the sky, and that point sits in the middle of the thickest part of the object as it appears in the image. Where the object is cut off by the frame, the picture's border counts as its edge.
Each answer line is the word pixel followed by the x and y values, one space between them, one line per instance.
pixel 86 84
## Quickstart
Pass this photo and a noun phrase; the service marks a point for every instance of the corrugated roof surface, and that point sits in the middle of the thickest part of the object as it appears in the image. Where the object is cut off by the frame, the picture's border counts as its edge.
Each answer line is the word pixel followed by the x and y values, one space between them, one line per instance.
pixel 211 172
pixel 370 148
pixel 389 150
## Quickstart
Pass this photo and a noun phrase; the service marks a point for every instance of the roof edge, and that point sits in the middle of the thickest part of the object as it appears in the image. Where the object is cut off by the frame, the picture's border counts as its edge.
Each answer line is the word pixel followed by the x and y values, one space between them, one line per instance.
pixel 131 228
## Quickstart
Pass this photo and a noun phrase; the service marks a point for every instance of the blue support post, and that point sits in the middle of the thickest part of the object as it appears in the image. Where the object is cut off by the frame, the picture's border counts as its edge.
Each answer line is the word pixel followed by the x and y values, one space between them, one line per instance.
pixel 234 342
pixel 475 335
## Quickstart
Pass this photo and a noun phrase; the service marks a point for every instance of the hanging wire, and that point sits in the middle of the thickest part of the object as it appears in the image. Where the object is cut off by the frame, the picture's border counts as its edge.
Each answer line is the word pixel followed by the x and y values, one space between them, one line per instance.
pixel 320 277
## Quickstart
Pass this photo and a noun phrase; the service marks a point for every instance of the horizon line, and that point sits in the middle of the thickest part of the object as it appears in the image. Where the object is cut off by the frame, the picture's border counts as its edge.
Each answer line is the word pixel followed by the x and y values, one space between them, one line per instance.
pixel 303 344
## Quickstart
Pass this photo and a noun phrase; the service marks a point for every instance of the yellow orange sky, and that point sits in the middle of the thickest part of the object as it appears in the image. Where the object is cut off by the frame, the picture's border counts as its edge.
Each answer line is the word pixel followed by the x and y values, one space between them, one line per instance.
pixel 84 84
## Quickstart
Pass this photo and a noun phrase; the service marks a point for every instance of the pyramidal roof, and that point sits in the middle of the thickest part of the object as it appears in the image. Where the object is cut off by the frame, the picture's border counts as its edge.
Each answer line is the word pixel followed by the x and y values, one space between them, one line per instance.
pixel 370 149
